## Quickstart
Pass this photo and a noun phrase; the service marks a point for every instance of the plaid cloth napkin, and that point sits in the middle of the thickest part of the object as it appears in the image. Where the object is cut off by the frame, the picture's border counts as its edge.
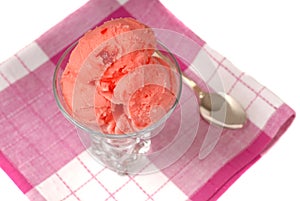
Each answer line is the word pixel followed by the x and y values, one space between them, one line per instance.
pixel 41 152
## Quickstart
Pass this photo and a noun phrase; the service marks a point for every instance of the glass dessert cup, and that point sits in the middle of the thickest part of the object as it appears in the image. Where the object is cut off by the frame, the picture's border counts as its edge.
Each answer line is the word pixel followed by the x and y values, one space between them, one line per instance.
pixel 123 153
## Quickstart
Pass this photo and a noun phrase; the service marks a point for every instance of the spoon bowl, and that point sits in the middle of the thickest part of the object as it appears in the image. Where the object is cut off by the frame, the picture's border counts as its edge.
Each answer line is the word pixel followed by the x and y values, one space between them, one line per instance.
pixel 218 108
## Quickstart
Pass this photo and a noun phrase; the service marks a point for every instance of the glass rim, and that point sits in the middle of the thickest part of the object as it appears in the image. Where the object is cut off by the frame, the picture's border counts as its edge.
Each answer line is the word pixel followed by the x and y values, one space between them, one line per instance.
pixel 108 135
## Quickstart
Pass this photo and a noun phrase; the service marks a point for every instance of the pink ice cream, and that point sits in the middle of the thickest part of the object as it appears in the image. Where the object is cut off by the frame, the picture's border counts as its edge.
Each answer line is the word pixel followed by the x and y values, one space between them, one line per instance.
pixel 113 81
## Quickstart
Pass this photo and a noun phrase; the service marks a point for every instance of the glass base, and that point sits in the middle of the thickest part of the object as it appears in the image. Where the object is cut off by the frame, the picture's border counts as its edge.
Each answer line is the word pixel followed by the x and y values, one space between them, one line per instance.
pixel 126 155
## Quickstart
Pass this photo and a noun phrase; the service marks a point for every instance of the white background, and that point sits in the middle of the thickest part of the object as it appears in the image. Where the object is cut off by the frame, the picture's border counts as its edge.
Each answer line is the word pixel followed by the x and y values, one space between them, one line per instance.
pixel 261 37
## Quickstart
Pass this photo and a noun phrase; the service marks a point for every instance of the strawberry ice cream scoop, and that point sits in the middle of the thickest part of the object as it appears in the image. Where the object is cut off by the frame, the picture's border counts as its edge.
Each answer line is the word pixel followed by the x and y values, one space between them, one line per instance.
pixel 113 81
pixel 100 47
pixel 149 104
pixel 135 99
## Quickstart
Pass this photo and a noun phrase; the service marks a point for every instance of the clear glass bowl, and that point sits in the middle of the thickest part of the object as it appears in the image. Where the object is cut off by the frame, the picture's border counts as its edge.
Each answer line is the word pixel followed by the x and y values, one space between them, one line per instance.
pixel 122 153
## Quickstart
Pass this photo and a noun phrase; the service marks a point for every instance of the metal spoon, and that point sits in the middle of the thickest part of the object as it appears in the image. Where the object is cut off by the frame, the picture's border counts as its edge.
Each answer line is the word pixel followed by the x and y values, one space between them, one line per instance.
pixel 218 108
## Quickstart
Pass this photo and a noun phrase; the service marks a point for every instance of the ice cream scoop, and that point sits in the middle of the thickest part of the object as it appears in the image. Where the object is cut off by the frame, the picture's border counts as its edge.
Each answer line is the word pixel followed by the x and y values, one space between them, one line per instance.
pixel 113 83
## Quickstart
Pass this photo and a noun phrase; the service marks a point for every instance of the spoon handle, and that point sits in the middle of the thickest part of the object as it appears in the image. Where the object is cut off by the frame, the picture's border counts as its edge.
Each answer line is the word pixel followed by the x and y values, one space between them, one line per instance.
pixel 192 84
pixel 188 81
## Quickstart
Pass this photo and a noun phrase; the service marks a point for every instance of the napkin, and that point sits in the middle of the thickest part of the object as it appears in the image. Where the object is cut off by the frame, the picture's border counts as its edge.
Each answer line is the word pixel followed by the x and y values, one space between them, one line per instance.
pixel 42 154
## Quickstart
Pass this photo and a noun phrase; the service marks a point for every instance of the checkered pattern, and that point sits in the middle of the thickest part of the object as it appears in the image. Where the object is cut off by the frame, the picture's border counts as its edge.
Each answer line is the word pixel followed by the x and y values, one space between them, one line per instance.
pixel 39 148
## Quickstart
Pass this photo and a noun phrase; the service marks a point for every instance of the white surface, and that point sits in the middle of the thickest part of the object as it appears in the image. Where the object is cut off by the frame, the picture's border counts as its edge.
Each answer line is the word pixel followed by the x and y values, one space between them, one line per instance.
pixel 259 37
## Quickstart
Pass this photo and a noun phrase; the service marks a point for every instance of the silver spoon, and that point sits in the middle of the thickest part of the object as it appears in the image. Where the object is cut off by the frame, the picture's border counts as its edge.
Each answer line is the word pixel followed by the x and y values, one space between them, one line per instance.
pixel 218 108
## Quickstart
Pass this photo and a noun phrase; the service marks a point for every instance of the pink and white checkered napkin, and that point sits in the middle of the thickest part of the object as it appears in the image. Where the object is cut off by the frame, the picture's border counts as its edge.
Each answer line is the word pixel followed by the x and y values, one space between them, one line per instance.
pixel 40 150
